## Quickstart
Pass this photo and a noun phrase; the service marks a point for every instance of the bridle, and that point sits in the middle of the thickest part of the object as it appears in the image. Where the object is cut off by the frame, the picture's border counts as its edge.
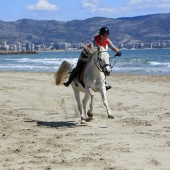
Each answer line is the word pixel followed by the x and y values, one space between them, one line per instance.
pixel 101 68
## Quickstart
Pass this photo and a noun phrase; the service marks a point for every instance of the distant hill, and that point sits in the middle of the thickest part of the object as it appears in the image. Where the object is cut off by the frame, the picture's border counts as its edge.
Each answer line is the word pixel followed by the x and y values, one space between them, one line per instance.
pixel 147 28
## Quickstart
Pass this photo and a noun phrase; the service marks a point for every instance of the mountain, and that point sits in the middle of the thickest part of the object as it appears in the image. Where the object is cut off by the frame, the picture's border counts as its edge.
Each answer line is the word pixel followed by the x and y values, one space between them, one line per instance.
pixel 146 29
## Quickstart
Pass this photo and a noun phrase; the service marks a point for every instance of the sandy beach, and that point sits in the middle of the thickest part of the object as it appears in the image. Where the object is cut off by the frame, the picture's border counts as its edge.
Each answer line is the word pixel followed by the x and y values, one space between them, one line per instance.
pixel 40 125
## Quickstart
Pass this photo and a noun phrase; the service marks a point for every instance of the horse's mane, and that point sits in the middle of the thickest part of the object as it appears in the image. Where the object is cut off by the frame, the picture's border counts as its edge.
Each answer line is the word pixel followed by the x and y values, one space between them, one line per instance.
pixel 92 49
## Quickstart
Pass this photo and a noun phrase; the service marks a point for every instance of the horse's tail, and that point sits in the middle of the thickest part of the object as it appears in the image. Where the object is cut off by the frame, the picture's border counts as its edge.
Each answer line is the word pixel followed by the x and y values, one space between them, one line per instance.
pixel 63 72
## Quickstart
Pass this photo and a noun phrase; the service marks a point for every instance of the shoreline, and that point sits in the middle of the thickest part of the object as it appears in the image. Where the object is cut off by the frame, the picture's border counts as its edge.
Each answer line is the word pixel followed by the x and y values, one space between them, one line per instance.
pixel 112 74
pixel 4 52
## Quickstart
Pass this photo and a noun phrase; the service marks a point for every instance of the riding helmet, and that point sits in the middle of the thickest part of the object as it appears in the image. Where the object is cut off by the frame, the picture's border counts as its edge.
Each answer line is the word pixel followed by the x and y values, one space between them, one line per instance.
pixel 104 31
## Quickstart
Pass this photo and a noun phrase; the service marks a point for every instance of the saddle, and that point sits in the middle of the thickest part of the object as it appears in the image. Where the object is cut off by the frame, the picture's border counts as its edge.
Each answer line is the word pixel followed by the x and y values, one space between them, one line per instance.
pixel 81 75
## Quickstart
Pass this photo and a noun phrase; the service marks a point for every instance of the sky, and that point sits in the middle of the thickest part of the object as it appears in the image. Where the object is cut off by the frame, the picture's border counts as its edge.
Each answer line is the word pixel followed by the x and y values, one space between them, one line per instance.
pixel 68 10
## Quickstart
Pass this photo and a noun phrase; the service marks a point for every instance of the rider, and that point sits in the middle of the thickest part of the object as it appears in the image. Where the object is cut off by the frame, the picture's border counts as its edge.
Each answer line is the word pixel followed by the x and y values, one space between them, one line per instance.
pixel 100 39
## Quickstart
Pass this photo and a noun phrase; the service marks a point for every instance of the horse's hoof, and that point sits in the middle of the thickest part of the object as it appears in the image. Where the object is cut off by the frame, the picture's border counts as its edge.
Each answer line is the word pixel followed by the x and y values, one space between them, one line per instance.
pixel 110 116
pixel 89 114
pixel 83 122
pixel 88 119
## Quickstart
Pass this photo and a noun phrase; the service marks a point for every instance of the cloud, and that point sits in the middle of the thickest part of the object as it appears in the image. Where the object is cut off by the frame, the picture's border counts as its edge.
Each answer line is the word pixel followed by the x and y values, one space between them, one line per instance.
pixel 93 6
pixel 90 5
pixel 42 5
pixel 133 2
pixel 149 5
pixel 131 6
pixel 157 3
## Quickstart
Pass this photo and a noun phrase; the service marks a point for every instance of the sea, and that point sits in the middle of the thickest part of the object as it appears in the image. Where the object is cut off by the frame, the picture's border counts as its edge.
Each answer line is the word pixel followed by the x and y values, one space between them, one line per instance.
pixel 145 61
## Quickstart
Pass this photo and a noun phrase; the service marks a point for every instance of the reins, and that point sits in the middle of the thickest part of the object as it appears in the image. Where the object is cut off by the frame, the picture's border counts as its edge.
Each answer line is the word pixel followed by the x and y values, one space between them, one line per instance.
pixel 100 69
pixel 115 60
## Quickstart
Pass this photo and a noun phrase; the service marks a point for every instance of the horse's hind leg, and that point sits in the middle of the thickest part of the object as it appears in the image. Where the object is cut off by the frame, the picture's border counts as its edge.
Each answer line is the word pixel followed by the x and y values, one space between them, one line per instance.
pixel 77 96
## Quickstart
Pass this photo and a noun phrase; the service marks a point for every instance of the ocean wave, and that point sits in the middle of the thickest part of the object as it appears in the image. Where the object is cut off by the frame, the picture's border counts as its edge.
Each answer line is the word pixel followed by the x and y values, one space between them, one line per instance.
pixel 29 68
pixel 154 63
pixel 42 60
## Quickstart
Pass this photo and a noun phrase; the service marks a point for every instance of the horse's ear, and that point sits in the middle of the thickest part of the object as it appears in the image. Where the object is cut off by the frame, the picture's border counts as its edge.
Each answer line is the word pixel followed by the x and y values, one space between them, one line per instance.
pixel 83 45
pixel 98 48
pixel 86 48
pixel 91 46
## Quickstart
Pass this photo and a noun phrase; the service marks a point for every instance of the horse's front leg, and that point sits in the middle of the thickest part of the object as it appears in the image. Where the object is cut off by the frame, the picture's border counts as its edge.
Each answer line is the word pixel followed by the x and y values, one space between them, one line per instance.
pixel 103 94
pixel 91 92
pixel 77 96
pixel 85 100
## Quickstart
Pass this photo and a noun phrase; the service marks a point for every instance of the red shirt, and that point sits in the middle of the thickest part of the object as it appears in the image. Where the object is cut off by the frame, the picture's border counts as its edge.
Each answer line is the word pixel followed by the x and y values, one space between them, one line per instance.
pixel 99 42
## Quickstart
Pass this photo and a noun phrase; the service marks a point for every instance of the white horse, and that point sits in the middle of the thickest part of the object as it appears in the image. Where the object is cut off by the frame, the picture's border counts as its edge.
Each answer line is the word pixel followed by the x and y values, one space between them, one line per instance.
pixel 94 79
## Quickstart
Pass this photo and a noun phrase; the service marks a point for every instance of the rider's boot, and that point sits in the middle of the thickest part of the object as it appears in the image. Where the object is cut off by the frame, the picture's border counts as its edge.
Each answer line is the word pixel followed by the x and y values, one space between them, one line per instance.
pixel 108 86
pixel 71 78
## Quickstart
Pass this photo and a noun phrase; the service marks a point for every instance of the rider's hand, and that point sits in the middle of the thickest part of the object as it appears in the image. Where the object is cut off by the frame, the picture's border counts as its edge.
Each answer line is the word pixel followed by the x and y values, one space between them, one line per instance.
pixel 118 54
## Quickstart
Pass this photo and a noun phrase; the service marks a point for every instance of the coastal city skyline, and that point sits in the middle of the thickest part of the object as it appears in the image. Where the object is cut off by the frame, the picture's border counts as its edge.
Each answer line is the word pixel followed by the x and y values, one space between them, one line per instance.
pixel 18 46
pixel 59 10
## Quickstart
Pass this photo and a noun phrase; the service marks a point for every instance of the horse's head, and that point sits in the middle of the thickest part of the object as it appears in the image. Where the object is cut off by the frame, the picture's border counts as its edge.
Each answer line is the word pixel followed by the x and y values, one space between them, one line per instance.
pixel 104 60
